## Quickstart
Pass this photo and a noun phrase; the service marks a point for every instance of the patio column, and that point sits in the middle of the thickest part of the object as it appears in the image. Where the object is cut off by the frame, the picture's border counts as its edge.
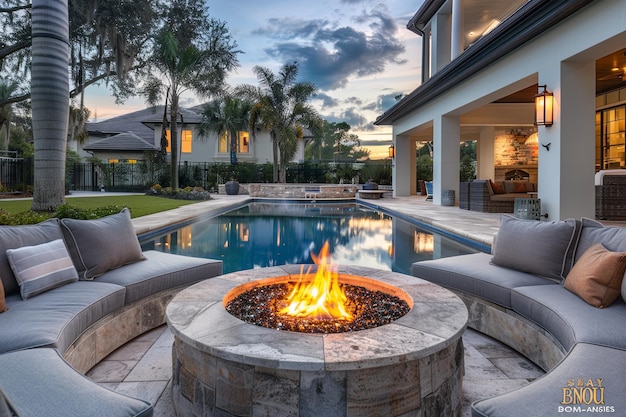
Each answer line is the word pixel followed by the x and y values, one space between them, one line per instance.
pixel 566 170
pixel 403 170
pixel 440 35
pixel 457 37
pixel 485 154
pixel 426 55
pixel 446 156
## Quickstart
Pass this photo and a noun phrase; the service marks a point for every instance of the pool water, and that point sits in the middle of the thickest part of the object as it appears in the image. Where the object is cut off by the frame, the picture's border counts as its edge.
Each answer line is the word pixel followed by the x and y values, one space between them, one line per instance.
pixel 271 234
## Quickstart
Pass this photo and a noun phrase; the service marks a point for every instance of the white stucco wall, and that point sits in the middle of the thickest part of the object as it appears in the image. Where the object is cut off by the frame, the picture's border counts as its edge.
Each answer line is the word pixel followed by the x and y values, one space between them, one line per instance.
pixel 563 59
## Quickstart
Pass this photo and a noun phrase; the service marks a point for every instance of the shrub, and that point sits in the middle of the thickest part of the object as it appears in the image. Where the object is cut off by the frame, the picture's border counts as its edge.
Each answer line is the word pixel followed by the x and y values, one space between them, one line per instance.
pixel 73 212
pixel 187 193
pixel 25 217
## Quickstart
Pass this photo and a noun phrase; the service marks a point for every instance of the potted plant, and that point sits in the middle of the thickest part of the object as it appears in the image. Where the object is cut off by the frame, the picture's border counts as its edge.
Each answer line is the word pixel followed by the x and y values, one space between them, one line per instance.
pixel 232 187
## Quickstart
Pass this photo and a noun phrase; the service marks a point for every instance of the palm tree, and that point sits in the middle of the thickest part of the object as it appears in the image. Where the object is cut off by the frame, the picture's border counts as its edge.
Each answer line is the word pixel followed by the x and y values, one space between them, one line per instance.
pixel 228 115
pixel 187 67
pixel 281 107
pixel 50 100
pixel 7 89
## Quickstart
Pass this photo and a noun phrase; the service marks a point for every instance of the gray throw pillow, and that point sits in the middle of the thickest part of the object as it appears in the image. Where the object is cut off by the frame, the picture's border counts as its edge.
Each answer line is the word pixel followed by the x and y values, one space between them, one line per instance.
pixel 12 237
pixel 97 246
pixel 41 268
pixel 535 247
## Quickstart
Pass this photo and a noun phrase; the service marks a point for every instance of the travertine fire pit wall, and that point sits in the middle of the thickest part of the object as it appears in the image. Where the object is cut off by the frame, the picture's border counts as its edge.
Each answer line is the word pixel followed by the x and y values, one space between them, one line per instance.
pixel 226 367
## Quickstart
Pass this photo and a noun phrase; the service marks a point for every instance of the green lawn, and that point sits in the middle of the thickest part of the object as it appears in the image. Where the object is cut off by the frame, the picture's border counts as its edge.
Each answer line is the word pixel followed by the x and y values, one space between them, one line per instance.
pixel 139 205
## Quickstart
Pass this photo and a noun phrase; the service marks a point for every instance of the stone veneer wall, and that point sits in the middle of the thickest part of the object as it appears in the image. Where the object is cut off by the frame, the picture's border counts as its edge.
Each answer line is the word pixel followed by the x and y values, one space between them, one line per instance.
pixel 204 385
pixel 511 153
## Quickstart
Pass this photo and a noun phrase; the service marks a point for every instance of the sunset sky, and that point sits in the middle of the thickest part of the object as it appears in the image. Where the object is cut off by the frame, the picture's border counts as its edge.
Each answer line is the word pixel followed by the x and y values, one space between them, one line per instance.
pixel 358 53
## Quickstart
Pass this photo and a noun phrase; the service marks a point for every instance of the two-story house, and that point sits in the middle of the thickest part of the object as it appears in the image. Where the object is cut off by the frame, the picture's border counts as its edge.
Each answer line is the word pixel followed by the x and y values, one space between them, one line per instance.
pixel 126 139
pixel 488 65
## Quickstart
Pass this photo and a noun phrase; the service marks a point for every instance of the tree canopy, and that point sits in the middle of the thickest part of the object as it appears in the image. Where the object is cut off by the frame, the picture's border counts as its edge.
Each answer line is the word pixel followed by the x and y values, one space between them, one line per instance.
pixel 334 142
pixel 193 52
pixel 281 107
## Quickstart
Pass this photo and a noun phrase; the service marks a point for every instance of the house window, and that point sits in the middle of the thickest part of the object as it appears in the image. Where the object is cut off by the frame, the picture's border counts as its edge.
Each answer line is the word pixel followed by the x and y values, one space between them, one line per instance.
pixel 186 140
pixel 223 143
pixel 243 144
pixel 610 137
pixel 113 161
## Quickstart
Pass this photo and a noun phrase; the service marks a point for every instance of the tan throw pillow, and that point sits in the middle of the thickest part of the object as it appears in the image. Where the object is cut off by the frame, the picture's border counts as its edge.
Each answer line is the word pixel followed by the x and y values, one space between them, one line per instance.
pixel 3 303
pixel 497 187
pixel 597 276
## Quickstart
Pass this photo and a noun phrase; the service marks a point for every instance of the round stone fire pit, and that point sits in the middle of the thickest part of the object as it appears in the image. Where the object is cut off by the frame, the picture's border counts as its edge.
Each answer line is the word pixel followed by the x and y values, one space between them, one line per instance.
pixel 224 366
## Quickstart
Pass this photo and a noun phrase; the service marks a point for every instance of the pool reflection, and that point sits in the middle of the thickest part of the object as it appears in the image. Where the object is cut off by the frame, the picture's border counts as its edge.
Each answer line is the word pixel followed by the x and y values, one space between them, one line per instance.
pixel 271 234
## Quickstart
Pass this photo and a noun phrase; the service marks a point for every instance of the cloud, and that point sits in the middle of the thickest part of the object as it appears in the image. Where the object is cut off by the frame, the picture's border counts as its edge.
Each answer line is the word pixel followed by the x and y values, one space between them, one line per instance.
pixel 329 55
pixel 327 101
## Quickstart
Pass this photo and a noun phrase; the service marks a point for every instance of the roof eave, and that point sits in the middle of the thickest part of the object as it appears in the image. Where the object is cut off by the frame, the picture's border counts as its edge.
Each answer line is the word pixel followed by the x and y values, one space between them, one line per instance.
pixel 531 20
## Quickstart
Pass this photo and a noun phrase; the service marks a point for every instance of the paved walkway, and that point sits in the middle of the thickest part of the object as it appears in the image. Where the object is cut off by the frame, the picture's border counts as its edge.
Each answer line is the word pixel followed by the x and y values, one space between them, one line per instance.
pixel 142 368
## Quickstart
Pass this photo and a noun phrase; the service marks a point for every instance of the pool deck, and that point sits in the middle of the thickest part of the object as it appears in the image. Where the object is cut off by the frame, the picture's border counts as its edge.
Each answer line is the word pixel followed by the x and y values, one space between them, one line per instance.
pixel 142 367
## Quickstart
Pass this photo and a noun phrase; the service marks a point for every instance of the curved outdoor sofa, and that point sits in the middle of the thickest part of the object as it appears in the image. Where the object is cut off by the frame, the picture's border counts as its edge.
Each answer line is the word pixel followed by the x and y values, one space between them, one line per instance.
pixel 76 290
pixel 553 291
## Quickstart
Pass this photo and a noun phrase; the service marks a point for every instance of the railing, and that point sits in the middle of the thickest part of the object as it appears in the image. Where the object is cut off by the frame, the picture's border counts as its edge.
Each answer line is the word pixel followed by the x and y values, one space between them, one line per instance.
pixel 16 174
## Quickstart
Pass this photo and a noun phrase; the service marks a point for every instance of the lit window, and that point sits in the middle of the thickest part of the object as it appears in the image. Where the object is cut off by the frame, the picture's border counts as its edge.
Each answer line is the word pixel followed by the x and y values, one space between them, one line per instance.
pixel 132 161
pixel 223 143
pixel 187 139
pixel 244 142
pixel 113 161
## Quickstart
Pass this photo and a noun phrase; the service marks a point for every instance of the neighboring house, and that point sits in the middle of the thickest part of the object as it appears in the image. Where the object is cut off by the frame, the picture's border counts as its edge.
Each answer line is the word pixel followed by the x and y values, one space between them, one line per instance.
pixel 483 64
pixel 126 138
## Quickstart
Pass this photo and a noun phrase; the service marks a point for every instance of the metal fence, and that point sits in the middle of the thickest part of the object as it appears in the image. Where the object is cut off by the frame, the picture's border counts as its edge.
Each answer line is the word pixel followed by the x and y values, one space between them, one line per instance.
pixel 16 174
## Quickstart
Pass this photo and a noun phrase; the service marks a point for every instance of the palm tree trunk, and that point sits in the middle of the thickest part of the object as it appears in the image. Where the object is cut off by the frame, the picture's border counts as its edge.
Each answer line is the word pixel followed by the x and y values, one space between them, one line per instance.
pixel 276 161
pixel 50 100
pixel 174 140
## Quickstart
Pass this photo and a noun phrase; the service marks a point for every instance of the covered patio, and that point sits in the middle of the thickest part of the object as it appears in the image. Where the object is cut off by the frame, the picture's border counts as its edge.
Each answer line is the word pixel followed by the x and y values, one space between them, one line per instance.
pixel 488 88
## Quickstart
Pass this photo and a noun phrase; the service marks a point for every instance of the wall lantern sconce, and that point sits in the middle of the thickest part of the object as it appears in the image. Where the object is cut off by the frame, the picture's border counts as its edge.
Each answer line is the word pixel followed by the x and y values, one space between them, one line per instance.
pixel 392 151
pixel 544 101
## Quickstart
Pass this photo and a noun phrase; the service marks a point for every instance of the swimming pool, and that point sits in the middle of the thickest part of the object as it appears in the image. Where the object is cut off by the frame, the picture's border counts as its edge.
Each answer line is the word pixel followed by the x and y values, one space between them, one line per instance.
pixel 264 234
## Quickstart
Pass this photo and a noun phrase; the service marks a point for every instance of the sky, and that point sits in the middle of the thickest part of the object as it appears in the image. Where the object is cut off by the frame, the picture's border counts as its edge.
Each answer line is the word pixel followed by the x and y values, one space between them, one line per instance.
pixel 358 53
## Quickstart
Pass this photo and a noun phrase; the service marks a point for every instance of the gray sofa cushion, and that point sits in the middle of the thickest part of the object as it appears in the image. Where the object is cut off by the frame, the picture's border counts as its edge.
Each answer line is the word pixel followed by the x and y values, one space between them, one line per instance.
pixel 57 317
pixel 17 236
pixel 543 397
pixel 160 271
pixel 40 383
pixel 474 274
pixel 42 267
pixel 570 320
pixel 97 246
pixel 539 248
pixel 6 408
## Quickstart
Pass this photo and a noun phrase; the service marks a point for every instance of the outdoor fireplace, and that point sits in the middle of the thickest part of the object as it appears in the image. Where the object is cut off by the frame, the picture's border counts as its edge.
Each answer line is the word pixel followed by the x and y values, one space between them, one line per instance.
pixel 226 366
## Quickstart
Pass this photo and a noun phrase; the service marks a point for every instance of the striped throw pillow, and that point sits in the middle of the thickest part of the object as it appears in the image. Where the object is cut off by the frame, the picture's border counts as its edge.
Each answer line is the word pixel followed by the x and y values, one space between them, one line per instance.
pixel 41 267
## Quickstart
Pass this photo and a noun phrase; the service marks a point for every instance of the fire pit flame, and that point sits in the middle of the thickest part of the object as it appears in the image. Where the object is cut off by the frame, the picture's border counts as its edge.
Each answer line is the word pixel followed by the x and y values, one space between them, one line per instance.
pixel 321 298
